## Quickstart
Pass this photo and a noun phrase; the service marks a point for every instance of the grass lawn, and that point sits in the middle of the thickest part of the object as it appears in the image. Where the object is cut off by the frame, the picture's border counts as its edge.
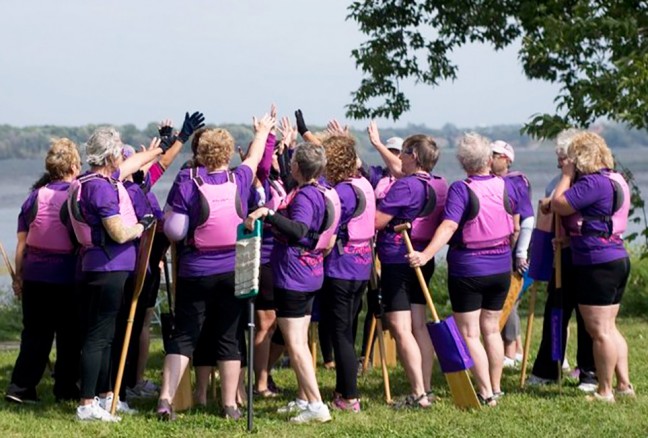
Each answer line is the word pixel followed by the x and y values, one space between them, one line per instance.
pixel 534 412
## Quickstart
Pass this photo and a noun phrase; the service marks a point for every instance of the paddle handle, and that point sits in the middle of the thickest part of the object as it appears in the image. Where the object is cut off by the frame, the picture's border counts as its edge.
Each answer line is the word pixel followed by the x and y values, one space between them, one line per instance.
pixel 383 360
pixel 370 341
pixel 124 354
pixel 529 331
pixel 419 274
pixel 7 262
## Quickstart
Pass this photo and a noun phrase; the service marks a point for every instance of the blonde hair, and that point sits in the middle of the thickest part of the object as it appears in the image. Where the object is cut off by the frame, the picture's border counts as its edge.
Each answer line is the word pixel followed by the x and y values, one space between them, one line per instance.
pixel 104 144
pixel 341 158
pixel 590 153
pixel 62 156
pixel 215 148
pixel 473 153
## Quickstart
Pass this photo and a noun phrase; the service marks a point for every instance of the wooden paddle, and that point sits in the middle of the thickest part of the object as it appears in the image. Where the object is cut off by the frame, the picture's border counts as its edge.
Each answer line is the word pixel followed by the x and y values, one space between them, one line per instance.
pixel 7 263
pixel 143 254
pixel 529 332
pixel 513 293
pixel 463 392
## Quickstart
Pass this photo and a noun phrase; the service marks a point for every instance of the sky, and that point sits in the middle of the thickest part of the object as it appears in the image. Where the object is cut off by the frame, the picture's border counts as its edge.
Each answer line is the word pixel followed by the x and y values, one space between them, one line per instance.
pixel 74 62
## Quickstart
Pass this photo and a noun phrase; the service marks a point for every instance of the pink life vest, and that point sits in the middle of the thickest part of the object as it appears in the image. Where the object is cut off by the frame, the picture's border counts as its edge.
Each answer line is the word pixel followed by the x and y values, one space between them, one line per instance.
pixel 361 228
pixel 332 212
pixel 221 213
pixel 427 221
pixel 47 230
pixel 278 195
pixel 82 230
pixel 490 223
pixel 617 221
pixel 383 186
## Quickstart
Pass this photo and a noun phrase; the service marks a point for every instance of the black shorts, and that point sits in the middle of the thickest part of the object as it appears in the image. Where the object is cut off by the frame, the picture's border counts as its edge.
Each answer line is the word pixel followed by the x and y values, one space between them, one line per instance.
pixel 206 307
pixel 468 294
pixel 293 304
pixel 602 284
pixel 265 299
pixel 400 286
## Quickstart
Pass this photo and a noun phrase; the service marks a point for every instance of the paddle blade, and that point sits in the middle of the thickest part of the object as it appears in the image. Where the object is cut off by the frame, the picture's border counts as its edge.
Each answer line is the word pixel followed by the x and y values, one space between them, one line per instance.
pixel 183 399
pixel 449 345
pixel 461 388
pixel 541 255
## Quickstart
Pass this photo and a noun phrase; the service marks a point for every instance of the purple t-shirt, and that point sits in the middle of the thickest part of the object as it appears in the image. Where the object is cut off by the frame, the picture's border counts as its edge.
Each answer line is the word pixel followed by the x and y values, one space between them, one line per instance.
pixel 150 196
pixel 100 200
pixel 375 174
pixel 405 200
pixel 138 198
pixel 465 262
pixel 254 203
pixel 592 195
pixel 185 174
pixel 354 262
pixel 39 265
pixel 522 193
pixel 294 267
pixel 186 200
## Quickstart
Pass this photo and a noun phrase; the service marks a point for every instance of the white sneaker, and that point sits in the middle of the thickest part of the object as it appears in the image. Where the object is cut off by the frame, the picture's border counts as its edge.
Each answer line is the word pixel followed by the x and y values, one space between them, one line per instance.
pixel 94 412
pixel 122 406
pixel 510 363
pixel 587 387
pixel 321 415
pixel 534 380
pixel 519 357
pixel 565 366
pixel 293 407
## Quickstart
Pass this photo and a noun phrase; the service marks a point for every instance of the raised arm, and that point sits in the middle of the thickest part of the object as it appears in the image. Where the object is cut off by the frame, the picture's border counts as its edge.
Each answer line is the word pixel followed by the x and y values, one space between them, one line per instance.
pixel 262 128
pixel 559 202
pixel 392 161
pixel 136 161
pixel 303 130
pixel 173 144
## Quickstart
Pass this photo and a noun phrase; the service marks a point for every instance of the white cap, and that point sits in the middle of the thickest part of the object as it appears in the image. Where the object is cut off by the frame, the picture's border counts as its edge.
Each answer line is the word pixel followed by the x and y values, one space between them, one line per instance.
pixel 395 143
pixel 502 147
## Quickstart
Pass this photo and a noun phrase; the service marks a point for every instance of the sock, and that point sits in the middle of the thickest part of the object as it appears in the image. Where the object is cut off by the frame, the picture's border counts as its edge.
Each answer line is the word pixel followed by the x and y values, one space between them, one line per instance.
pixel 315 406
pixel 301 403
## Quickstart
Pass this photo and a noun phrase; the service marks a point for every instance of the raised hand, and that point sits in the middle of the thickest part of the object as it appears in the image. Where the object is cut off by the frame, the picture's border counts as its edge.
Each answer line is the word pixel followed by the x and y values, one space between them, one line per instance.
pixel 334 128
pixel 374 135
pixel 190 125
pixel 264 125
pixel 165 128
pixel 301 125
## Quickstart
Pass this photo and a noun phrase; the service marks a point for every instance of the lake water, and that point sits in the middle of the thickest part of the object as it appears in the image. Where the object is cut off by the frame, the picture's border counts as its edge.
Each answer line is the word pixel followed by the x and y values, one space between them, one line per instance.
pixel 16 176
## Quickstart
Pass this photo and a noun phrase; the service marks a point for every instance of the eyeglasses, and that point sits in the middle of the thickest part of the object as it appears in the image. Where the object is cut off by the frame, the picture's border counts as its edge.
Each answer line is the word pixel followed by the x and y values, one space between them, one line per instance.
pixel 408 151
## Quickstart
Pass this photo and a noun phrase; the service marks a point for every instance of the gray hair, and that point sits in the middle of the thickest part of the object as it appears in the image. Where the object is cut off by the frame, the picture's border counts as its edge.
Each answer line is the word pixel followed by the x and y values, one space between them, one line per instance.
pixel 474 152
pixel 310 159
pixel 104 143
pixel 564 138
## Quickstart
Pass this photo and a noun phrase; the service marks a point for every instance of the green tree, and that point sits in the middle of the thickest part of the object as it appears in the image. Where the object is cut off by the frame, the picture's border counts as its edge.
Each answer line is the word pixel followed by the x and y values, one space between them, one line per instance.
pixel 597 50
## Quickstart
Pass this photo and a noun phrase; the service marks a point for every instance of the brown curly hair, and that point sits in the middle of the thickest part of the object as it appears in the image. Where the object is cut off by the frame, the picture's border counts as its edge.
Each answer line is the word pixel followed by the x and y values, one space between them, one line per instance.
pixel 215 148
pixel 341 158
pixel 63 154
pixel 590 153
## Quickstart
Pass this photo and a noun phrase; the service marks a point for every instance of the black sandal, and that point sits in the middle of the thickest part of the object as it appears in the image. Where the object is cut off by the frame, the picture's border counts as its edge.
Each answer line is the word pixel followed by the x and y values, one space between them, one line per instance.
pixel 412 401
pixel 489 401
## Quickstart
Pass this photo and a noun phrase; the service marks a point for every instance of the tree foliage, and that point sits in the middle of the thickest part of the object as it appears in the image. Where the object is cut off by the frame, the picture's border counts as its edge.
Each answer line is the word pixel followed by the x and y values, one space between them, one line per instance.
pixel 595 49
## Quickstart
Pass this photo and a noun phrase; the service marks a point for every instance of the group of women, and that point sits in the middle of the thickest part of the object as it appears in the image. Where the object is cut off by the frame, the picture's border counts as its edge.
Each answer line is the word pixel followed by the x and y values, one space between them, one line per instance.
pixel 323 212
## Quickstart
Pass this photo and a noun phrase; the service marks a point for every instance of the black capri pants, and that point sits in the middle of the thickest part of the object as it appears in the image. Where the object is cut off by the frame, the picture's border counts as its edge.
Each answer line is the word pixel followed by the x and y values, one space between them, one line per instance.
pixel 206 307
pixel 468 294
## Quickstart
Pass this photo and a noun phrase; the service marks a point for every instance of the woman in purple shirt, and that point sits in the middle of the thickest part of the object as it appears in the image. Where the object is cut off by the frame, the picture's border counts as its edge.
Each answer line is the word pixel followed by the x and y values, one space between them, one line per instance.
pixel 45 268
pixel 348 267
pixel 600 262
pixel 103 219
pixel 299 273
pixel 405 306
pixel 478 224
pixel 205 211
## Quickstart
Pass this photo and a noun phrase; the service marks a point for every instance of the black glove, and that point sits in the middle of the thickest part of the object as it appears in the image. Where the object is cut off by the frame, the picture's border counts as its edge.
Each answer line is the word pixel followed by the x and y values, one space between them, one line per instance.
pixel 166 142
pixel 301 125
pixel 138 177
pixel 147 221
pixel 165 131
pixel 190 125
